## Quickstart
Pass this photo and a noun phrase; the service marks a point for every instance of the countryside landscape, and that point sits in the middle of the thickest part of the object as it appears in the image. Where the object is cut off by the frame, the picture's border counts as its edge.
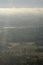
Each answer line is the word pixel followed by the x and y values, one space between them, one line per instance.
pixel 21 32
pixel 23 44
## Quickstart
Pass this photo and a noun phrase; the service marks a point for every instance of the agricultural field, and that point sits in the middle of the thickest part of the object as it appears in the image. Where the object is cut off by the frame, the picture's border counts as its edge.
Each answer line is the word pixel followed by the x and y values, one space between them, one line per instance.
pixel 26 53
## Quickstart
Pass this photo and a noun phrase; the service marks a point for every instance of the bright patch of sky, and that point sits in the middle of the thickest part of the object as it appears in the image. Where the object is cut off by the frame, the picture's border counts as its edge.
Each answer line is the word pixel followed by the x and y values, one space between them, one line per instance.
pixel 15 11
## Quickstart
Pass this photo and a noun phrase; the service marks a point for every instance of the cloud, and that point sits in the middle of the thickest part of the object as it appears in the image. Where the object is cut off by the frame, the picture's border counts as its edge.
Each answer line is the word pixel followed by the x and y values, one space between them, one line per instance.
pixel 14 11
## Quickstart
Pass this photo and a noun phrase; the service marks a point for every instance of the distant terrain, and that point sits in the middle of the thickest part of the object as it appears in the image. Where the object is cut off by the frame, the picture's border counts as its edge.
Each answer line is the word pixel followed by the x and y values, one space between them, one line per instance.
pixel 21 39
pixel 25 53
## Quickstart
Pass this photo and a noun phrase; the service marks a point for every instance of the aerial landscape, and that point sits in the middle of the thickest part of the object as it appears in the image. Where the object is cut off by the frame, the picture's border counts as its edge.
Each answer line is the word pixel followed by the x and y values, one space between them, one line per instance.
pixel 21 32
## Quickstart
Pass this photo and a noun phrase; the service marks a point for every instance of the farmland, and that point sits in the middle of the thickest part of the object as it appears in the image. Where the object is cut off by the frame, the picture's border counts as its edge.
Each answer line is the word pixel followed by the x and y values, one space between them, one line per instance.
pixel 25 53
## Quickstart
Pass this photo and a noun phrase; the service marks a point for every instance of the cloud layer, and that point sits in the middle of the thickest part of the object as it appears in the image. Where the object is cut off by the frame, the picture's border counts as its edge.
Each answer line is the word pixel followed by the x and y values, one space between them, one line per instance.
pixel 15 11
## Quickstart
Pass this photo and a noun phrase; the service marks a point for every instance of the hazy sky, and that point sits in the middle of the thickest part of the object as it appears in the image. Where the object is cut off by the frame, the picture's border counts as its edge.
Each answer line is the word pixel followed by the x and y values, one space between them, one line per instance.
pixel 21 9
pixel 21 3
pixel 21 6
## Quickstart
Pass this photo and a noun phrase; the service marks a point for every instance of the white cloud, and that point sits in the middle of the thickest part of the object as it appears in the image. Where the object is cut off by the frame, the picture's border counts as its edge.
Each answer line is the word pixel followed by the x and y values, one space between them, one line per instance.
pixel 8 11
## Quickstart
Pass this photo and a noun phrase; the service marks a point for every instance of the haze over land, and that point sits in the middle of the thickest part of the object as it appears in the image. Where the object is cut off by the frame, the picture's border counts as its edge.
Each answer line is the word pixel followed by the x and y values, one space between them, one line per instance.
pixel 20 16
pixel 21 32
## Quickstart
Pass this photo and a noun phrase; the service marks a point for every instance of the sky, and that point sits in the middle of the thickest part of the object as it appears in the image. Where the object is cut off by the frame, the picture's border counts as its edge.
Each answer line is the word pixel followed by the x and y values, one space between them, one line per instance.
pixel 21 6
pixel 23 10
pixel 21 3
pixel 17 11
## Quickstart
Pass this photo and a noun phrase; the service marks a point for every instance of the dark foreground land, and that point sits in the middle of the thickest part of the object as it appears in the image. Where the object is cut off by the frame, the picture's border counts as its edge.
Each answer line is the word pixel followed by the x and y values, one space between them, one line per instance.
pixel 21 54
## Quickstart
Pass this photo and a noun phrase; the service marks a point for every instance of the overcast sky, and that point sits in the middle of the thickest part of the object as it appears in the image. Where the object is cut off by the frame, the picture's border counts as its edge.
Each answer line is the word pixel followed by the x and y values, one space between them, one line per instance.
pixel 21 3
pixel 21 6
pixel 21 9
